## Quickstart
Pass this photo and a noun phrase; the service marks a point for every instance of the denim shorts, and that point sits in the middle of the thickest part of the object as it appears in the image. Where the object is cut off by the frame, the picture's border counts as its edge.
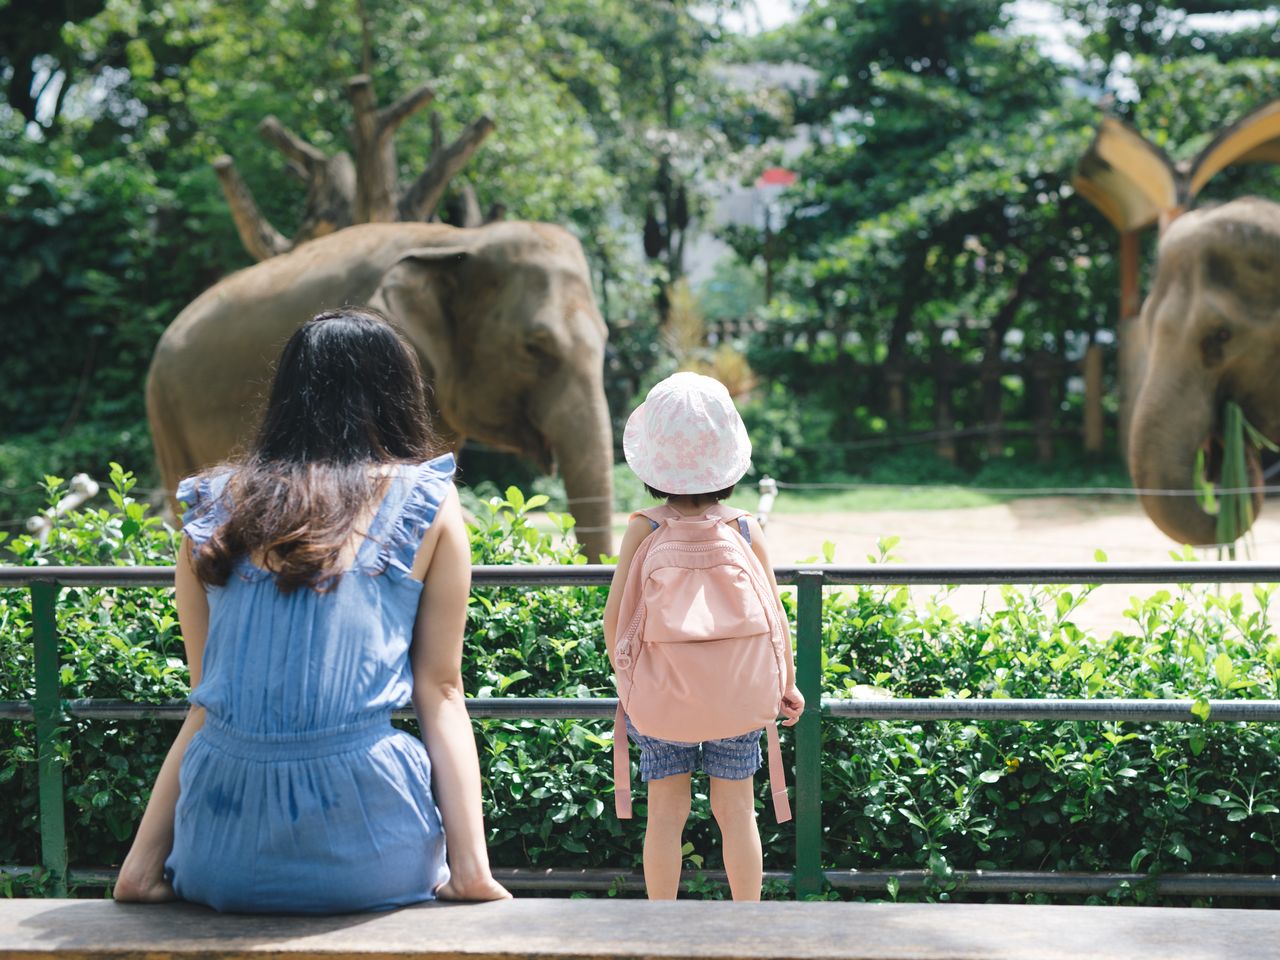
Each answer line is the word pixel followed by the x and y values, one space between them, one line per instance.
pixel 733 758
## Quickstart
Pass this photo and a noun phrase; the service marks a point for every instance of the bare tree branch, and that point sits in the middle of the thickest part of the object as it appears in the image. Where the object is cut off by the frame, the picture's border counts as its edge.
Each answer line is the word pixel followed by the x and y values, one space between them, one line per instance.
pixel 390 117
pixel 472 215
pixel 260 238
pixel 303 157
pixel 421 199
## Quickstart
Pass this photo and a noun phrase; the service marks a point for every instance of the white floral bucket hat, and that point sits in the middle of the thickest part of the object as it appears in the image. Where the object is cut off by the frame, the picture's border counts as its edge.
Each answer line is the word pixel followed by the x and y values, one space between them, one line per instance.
pixel 687 437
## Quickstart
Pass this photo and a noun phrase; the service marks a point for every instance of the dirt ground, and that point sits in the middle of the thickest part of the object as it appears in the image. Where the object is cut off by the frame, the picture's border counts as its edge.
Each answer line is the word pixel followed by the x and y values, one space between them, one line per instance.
pixel 1034 530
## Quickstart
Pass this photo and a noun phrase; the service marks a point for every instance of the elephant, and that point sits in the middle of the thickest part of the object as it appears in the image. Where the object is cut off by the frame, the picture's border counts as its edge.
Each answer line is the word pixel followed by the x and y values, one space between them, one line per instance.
pixel 1212 326
pixel 502 318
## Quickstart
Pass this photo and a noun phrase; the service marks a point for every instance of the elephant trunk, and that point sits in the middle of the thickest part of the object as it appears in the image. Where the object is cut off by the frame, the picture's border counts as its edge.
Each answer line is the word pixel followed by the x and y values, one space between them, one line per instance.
pixel 578 430
pixel 1170 424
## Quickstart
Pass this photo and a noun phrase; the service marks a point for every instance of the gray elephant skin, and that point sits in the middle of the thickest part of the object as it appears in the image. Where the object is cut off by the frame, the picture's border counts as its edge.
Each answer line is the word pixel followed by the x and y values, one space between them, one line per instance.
pixel 1212 326
pixel 502 317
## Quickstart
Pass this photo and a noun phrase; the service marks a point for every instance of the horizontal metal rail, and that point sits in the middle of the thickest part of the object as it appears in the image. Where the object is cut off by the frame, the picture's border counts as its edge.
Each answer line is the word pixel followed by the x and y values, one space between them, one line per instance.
pixel 880 708
pixel 598 574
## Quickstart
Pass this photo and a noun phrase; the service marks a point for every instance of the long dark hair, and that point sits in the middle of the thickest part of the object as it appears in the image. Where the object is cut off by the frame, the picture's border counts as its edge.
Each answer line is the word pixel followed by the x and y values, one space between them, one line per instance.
pixel 347 396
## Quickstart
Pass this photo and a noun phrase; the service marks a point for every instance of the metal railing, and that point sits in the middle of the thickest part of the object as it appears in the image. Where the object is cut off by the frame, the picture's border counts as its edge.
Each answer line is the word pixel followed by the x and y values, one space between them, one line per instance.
pixel 48 711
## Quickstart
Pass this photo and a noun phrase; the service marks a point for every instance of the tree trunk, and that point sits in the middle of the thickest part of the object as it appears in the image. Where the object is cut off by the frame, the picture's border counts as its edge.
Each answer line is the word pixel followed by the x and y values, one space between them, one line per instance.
pixel 342 190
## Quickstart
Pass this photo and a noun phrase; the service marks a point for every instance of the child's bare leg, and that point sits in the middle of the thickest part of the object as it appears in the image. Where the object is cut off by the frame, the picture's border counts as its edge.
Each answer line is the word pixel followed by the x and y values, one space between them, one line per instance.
pixel 733 803
pixel 663 835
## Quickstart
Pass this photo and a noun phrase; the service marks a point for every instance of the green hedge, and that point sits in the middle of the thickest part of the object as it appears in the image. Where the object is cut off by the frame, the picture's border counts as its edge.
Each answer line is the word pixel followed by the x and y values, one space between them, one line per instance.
pixel 943 795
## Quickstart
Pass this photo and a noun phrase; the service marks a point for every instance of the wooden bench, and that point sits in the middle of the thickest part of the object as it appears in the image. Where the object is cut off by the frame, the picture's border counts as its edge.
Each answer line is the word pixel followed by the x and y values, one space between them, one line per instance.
pixel 562 929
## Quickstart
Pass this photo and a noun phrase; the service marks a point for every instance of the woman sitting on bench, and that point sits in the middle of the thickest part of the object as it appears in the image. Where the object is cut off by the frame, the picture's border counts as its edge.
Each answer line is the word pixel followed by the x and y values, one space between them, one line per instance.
pixel 322 582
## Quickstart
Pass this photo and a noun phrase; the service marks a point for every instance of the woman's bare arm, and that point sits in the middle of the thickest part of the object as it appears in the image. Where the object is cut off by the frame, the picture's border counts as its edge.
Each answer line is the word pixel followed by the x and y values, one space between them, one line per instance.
pixel 142 873
pixel 438 698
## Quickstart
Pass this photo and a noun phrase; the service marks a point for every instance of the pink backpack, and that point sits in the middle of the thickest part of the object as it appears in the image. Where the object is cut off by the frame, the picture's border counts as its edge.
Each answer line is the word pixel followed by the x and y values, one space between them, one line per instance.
pixel 702 642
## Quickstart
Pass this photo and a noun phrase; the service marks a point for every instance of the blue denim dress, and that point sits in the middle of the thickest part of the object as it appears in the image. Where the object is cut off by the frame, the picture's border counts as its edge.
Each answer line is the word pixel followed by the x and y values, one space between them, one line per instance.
pixel 298 796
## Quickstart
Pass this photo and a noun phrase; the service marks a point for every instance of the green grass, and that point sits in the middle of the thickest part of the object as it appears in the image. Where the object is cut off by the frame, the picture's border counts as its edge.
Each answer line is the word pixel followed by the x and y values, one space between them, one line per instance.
pixel 870 499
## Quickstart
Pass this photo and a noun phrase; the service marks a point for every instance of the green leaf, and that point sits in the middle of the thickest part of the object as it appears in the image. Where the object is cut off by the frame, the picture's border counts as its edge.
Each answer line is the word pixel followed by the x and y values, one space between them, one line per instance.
pixel 511 678
pixel 1223 668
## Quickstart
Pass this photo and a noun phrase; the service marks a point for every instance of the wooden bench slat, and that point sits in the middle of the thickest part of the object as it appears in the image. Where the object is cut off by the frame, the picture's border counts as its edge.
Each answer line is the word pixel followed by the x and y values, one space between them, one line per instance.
pixel 535 929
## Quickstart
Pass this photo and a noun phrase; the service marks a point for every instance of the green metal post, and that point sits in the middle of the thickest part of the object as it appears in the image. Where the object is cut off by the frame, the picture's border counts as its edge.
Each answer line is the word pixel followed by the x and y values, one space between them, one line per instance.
pixel 808 735
pixel 48 714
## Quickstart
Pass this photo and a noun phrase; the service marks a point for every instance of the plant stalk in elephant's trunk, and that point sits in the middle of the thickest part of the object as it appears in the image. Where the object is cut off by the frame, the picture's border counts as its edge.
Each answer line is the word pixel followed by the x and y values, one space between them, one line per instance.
pixel 1236 490
pixel 1163 463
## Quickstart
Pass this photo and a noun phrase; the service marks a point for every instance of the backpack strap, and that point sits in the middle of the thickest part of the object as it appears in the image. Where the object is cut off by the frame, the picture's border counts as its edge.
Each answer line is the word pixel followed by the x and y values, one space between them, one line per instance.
pixel 622 767
pixel 655 515
pixel 731 515
pixel 777 775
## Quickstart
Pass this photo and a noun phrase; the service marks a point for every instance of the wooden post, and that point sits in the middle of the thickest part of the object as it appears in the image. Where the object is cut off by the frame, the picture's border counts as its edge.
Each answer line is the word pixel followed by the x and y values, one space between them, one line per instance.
pixel 895 396
pixel 1130 340
pixel 1093 423
pixel 992 397
pixel 1042 404
pixel 944 415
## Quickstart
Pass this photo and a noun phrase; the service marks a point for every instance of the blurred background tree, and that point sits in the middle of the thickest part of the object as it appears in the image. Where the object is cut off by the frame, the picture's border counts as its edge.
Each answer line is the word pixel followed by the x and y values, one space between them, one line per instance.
pixel 932 228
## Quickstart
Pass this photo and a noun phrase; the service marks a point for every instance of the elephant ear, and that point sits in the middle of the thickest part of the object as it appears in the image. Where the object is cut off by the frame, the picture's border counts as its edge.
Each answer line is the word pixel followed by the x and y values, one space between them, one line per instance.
pixel 444 256
pixel 406 272
pixel 418 291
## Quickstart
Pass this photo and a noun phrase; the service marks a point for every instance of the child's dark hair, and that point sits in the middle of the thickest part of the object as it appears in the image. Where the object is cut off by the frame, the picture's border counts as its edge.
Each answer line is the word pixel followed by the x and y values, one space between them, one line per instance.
pixel 717 496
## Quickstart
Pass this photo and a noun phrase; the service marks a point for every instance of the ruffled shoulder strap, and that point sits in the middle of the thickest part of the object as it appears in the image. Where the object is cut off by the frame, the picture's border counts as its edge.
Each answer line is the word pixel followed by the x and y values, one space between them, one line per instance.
pixel 412 504
pixel 207 508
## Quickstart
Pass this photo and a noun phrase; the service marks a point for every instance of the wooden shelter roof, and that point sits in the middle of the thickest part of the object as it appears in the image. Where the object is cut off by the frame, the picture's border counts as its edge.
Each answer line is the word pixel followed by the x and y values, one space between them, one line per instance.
pixel 1133 182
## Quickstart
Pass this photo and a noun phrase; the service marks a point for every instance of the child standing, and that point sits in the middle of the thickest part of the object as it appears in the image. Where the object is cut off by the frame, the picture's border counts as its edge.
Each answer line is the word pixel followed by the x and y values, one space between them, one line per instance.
pixel 688 445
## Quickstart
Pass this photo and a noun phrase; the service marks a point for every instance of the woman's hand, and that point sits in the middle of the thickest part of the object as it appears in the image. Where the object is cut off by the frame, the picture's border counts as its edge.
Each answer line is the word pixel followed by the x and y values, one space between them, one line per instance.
pixel 792 706
pixel 482 887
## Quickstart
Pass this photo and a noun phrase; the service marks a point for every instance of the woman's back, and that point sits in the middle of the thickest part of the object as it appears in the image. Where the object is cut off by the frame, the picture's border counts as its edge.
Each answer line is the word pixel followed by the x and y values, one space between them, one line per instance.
pixel 280 662
pixel 298 794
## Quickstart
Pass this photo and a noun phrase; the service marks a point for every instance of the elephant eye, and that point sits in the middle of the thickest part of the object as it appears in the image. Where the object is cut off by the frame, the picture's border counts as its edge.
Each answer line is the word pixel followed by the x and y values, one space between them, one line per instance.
pixel 1222 335
pixel 541 351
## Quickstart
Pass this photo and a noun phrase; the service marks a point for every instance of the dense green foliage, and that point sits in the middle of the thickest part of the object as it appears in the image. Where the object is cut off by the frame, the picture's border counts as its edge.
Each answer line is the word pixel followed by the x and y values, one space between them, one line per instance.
pixel 942 795
pixel 935 225
pixel 934 221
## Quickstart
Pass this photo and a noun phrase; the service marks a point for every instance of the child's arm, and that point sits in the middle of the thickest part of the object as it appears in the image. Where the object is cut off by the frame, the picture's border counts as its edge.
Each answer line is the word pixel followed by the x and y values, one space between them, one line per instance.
pixel 142 873
pixel 439 700
pixel 793 699
pixel 637 530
